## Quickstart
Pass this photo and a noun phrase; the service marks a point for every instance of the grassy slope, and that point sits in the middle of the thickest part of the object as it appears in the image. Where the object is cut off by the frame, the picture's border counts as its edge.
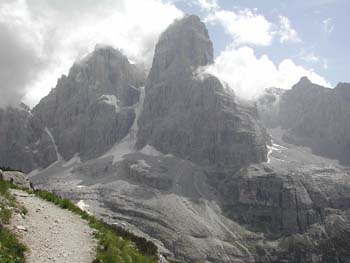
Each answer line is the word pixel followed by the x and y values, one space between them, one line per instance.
pixel 116 245
pixel 11 250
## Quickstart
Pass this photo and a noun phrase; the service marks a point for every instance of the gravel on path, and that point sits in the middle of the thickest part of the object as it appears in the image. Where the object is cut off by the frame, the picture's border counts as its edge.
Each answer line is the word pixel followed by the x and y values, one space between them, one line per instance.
pixel 52 234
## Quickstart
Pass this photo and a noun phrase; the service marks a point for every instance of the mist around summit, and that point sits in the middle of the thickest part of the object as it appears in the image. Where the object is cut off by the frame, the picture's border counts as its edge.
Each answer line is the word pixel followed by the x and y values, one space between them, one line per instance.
pixel 209 156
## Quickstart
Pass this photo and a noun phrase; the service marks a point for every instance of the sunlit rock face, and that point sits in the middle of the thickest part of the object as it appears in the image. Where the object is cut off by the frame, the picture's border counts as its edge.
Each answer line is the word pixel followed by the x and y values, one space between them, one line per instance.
pixel 92 107
pixel 205 182
pixel 196 117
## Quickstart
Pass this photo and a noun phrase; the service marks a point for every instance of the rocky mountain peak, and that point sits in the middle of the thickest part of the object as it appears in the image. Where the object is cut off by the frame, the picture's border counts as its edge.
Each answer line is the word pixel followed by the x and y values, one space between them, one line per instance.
pixel 343 85
pixel 184 45
pixel 304 81
pixel 198 120
pixel 103 67
pixel 92 107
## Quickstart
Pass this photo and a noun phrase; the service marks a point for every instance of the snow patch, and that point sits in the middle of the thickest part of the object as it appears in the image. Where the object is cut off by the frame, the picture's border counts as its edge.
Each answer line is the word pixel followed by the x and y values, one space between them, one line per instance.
pixel 150 150
pixel 111 100
pixel 275 147
pixel 127 144
pixel 141 166
pixel 83 206
pixel 59 157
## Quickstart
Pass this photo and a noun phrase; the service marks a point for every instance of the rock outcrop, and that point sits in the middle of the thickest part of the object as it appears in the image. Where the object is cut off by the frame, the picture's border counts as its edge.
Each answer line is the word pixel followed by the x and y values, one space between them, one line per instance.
pixel 17 178
pixel 196 117
pixel 205 182
pixel 24 143
pixel 92 108
pixel 314 116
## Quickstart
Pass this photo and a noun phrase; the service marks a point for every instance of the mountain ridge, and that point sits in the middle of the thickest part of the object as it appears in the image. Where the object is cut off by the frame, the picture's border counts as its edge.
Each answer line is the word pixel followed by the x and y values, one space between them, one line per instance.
pixel 206 181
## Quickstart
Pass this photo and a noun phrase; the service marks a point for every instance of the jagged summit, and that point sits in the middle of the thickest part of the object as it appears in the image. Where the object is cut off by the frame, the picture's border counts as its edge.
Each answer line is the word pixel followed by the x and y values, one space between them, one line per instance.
pixel 105 52
pixel 303 82
pixel 184 45
pixel 343 85
pixel 182 112
pixel 306 83
pixel 92 107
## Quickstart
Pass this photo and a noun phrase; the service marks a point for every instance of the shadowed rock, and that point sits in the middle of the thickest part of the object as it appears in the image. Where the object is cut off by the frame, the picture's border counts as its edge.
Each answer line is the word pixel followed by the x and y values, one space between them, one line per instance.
pixel 91 108
pixel 196 117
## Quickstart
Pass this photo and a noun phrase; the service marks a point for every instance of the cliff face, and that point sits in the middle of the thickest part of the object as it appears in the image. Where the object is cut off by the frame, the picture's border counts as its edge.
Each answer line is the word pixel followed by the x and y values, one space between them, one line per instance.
pixel 92 108
pixel 25 145
pixel 313 116
pixel 195 118
pixel 205 181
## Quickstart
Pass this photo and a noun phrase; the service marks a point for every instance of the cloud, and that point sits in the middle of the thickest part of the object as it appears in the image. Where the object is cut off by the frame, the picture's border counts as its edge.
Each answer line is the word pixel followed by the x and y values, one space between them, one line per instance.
pixel 20 57
pixel 51 35
pixel 249 76
pixel 286 32
pixel 328 25
pixel 208 5
pixel 309 57
pixel 244 26
pixel 247 27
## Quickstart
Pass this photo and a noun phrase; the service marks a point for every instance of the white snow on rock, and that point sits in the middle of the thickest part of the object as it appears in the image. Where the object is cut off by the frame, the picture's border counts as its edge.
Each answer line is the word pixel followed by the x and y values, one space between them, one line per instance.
pixel 83 206
pixel 111 100
pixel 141 166
pixel 127 144
pixel 150 150
pixel 59 157
pixel 275 147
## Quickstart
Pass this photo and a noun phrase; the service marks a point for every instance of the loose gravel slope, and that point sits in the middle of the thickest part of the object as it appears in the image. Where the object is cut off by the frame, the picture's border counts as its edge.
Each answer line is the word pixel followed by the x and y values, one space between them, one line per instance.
pixel 52 234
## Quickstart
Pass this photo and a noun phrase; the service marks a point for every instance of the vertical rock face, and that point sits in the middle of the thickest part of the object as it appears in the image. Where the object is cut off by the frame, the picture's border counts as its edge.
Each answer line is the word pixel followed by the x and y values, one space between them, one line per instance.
pixel 91 108
pixel 185 45
pixel 314 116
pixel 195 118
pixel 24 143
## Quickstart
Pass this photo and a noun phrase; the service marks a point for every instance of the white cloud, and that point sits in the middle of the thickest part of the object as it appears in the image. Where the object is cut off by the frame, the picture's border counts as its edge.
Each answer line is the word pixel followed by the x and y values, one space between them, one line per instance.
pixel 309 57
pixel 286 32
pixel 59 32
pixel 245 26
pixel 249 76
pixel 328 25
pixel 208 5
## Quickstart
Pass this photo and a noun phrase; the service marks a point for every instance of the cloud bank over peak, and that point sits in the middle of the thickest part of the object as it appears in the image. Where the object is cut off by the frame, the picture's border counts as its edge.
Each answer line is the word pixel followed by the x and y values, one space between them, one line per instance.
pixel 41 39
pixel 249 76
pixel 238 66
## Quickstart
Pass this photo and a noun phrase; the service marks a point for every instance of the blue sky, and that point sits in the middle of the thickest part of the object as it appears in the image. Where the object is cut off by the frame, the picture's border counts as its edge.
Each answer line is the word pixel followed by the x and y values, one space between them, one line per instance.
pixel 258 44
pixel 321 26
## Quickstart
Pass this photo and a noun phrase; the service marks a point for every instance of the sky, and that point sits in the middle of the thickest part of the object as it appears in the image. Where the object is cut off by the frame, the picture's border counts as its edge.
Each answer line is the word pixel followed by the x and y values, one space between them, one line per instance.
pixel 257 44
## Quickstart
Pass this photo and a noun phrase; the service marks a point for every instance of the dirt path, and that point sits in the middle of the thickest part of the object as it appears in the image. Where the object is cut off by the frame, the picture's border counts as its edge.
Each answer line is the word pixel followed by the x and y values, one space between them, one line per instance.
pixel 52 234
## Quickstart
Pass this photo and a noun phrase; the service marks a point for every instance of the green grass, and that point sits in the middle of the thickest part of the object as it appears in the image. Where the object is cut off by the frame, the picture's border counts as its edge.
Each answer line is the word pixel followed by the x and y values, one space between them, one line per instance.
pixel 116 245
pixel 9 169
pixel 11 250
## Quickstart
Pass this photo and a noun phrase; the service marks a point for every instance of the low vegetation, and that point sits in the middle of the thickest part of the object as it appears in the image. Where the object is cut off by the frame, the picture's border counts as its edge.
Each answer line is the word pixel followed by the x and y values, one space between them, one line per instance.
pixel 9 169
pixel 115 243
pixel 11 250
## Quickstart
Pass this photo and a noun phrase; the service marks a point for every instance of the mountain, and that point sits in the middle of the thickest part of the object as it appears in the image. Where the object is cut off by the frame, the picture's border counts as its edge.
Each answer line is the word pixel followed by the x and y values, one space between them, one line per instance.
pixel 181 112
pixel 25 144
pixel 92 107
pixel 314 116
pixel 176 157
